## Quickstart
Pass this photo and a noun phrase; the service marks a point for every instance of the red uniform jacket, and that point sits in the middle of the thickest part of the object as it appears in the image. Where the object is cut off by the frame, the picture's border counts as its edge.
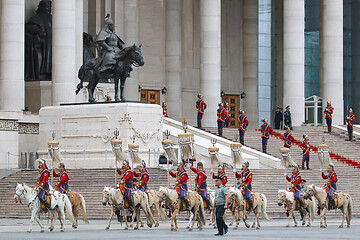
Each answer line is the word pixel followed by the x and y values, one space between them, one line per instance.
pixel 306 147
pixel 333 179
pixel 64 177
pixel 183 179
pixel 144 177
pixel 200 177
pixel 200 105
pixel 246 181
pixel 329 112
pixel 43 177
pixel 222 176
pixel 350 118
pixel 222 114
pixel 128 176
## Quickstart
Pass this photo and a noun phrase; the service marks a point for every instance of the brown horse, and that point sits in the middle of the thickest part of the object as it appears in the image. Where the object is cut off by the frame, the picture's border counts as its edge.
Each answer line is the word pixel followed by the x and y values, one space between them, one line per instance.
pixel 77 201
pixel 344 204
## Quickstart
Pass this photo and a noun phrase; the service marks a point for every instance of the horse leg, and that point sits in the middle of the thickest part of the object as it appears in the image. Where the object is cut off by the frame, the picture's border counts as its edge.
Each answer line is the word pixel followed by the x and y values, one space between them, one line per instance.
pixel 61 216
pixel 235 218
pixel 295 222
pixel 253 225
pixel 137 214
pixel 190 219
pixel 244 216
pixel 122 84
pixel 110 218
pixel 125 217
pixel 158 214
pixel 344 212
pixel 258 218
pixel 38 221
pixel 116 83
pixel 76 215
pixel 323 218
pixel 174 218
pixel 51 228
pixel 290 214
pixel 195 212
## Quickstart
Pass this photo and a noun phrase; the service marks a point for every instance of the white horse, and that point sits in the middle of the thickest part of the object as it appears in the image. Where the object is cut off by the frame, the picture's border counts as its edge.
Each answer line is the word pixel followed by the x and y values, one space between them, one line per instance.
pixel 174 204
pixel 117 200
pixel 344 204
pixel 259 203
pixel 288 198
pixel 211 196
pixel 58 201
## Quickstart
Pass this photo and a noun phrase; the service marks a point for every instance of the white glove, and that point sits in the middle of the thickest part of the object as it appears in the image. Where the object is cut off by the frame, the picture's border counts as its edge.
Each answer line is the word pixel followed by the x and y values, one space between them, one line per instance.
pixel 234 170
pixel 211 170
pixel 168 169
pixel 321 170
pixel 285 174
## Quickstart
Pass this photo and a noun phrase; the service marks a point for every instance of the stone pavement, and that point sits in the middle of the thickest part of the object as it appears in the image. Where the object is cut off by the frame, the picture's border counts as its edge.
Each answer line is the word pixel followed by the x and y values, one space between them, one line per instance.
pixel 275 229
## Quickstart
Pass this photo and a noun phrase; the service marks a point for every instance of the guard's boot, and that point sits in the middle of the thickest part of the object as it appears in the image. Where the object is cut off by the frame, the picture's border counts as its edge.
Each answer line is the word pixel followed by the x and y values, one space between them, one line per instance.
pixel 302 165
pixel 264 148
pixel 187 204
pixel 47 202
pixel 329 129
pixel 350 137
pixel 242 141
pixel 307 165
pixel 199 124
pixel 219 132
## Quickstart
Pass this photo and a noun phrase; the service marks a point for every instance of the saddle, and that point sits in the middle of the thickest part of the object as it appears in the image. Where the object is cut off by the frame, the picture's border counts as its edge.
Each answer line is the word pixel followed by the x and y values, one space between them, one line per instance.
pixel 333 204
pixel 249 204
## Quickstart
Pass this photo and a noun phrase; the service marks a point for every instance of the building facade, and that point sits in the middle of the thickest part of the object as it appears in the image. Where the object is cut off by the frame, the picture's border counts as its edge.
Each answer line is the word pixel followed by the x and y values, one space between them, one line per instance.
pixel 276 52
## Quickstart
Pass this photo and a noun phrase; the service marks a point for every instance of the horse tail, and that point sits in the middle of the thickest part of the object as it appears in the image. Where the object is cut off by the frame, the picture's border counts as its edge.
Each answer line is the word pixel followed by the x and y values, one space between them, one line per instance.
pixel 149 215
pixel 68 208
pixel 202 212
pixel 312 209
pixel 81 76
pixel 263 207
pixel 161 212
pixel 83 209
pixel 349 208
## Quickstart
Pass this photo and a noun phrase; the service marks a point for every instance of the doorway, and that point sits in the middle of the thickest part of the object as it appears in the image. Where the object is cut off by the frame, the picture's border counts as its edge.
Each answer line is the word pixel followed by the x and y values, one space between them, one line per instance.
pixel 233 101
pixel 150 96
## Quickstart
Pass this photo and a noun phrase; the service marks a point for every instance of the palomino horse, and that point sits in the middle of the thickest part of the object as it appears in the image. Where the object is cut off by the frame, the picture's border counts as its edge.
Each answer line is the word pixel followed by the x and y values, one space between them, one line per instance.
pixel 211 196
pixel 174 204
pixel 344 204
pixel 155 206
pixel 58 200
pixel 288 198
pixel 77 200
pixel 259 203
pixel 116 199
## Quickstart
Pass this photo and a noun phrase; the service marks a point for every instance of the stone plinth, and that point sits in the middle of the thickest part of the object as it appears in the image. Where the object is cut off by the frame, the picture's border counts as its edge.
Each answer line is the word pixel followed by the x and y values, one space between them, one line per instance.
pixel 90 127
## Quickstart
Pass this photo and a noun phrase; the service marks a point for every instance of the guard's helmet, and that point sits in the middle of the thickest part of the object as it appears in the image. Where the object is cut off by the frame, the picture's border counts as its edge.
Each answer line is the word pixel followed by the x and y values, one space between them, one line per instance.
pixel 331 166
pixel 143 164
pixel 125 162
pixel 181 164
pixel 246 164
pixel 200 164
pixel 295 168
pixel 62 165
pixel 305 136
pixel 220 167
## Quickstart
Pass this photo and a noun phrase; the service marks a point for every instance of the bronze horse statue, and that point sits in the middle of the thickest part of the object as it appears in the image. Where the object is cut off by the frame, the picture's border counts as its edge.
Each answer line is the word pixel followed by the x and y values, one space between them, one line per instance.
pixel 128 57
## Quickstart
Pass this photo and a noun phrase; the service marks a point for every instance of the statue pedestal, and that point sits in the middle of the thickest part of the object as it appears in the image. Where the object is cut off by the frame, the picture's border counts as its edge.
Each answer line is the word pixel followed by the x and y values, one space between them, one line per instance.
pixel 85 131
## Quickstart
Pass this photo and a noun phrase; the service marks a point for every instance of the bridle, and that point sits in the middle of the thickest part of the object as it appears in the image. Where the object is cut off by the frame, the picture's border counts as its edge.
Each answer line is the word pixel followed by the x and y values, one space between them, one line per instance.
pixel 19 195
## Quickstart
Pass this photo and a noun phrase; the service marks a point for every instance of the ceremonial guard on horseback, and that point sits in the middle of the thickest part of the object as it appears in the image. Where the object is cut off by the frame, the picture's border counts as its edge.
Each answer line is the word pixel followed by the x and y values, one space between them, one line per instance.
pixel 295 181
pixel 143 177
pixel 181 183
pixel 245 186
pixel 331 187
pixel 126 182
pixel 200 181
pixel 42 185
pixel 63 179
pixel 221 174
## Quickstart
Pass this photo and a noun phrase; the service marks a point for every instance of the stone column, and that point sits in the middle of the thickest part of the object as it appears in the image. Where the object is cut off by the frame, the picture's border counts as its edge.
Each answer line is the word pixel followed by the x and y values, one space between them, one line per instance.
pixel 294 65
pixel 331 57
pixel 173 58
pixel 250 60
pixel 12 86
pixel 210 67
pixel 79 42
pixel 131 36
pixel 64 74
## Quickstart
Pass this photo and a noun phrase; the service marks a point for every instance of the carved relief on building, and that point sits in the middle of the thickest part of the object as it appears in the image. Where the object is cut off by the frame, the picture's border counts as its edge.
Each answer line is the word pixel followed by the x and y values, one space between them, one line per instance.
pixel 15 126
pixel 28 128
pixel 9 125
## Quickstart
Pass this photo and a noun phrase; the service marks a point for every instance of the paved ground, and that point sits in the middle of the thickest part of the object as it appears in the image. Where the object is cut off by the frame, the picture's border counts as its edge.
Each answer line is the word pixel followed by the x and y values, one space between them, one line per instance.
pixel 16 229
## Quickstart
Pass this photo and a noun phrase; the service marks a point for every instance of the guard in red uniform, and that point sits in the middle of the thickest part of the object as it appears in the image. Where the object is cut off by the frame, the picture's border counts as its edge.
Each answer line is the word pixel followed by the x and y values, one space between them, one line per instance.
pixel 295 184
pixel 201 106
pixel 305 145
pixel 221 114
pixel 126 182
pixel 243 124
pixel 246 177
pixel 227 119
pixel 350 118
pixel 42 185
pixel 329 110
pixel 287 137
pixel 221 174
pixel 181 182
pixel 164 110
pixel 331 184
pixel 200 181
pixel 63 183
pixel 143 177
pixel 266 130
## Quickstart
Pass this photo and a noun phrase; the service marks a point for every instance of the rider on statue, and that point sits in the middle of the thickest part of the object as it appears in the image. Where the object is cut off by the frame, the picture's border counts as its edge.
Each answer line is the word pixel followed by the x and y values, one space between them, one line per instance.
pixel 181 183
pixel 143 177
pixel 42 186
pixel 221 174
pixel 295 185
pixel 330 185
pixel 200 180
pixel 63 182
pixel 126 182
pixel 246 177
pixel 110 46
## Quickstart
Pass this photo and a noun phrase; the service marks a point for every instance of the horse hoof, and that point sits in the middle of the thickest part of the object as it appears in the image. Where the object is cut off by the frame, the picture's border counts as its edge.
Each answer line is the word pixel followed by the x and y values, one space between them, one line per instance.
pixel 348 226
pixel 187 227
pixel 341 226
pixel 258 227
pixel 42 230
pixel 131 225
pixel 142 225
pixel 253 226
pixel 190 229
pixel 29 231
pixel 295 225
pixel 51 228
pixel 235 228
pixel 62 230
pixel 248 226
pixel 308 225
pixel 200 228
pixel 136 228
pixel 303 223
pixel 149 225
pixel 126 228
pixel 156 225
pixel 230 224
pixel 287 226
pixel 107 228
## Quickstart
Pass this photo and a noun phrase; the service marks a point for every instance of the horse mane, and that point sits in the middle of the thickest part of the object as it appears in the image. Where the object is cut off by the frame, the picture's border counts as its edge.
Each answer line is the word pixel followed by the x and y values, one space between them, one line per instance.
pixel 27 188
pixel 289 195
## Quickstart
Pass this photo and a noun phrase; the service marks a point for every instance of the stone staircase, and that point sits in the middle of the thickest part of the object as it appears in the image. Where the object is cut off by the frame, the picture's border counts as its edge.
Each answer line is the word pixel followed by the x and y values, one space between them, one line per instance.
pixel 91 182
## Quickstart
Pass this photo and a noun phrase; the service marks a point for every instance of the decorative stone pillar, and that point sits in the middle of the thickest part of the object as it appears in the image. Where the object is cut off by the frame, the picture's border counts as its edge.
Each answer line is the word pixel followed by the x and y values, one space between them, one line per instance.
pixel 131 36
pixel 331 57
pixel 210 68
pixel 79 42
pixel 294 65
pixel 173 58
pixel 12 86
pixel 64 72
pixel 250 60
